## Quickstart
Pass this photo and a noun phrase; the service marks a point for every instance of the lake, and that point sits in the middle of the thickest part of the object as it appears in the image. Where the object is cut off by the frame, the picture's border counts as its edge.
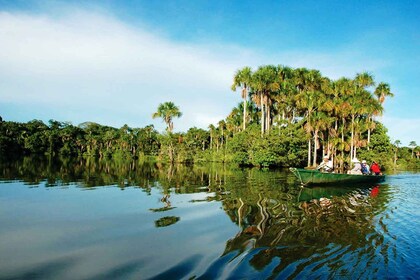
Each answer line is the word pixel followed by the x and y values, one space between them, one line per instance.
pixel 90 219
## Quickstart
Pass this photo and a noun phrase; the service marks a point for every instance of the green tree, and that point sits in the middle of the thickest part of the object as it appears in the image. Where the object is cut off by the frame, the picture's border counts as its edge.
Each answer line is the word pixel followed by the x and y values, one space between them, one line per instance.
pixel 242 79
pixel 167 111
pixel 265 84
pixel 413 145
pixel 397 144
pixel 382 91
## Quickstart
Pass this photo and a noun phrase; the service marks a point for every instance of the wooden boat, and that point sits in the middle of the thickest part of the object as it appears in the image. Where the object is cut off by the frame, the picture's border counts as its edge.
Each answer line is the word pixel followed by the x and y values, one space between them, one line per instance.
pixel 307 177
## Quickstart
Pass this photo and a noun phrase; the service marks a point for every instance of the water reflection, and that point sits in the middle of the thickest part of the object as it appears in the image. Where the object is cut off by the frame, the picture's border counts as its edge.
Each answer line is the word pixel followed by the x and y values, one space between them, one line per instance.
pixel 282 230
pixel 324 227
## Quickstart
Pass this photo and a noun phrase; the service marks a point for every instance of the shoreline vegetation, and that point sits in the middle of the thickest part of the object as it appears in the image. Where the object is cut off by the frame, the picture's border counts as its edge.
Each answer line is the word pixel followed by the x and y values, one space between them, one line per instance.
pixel 288 117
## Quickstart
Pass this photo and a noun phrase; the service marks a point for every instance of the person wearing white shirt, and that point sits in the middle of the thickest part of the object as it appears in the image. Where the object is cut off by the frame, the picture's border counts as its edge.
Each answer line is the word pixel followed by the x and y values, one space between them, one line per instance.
pixel 326 165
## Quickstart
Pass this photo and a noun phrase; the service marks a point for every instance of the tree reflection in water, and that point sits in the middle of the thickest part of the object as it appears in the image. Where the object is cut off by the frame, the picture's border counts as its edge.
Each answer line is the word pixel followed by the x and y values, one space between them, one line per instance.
pixel 280 225
pixel 319 233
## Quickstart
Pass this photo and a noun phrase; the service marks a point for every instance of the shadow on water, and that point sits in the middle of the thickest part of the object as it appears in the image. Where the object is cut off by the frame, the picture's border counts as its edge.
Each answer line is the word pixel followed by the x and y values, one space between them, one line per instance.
pixel 283 230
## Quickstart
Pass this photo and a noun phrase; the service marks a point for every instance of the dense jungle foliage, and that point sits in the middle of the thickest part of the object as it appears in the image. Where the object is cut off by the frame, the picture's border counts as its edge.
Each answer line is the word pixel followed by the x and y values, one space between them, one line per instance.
pixel 284 146
pixel 288 117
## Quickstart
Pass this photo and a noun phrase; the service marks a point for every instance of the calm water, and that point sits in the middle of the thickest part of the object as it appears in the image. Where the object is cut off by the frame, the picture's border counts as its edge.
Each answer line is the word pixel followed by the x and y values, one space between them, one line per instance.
pixel 128 220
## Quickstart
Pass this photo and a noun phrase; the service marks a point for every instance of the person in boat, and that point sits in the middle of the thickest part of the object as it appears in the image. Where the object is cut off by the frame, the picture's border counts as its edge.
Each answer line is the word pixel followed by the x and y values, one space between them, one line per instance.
pixel 357 169
pixel 326 165
pixel 375 168
pixel 365 168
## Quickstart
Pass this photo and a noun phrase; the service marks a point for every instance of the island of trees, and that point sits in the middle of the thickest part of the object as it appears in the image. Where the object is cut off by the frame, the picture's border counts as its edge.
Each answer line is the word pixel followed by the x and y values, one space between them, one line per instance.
pixel 288 117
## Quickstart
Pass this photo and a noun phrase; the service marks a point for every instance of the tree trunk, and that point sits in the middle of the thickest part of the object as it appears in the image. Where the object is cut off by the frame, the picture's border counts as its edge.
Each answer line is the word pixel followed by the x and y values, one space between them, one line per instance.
pixel 352 137
pixel 226 142
pixel 395 159
pixel 268 117
pixel 244 125
pixel 315 147
pixel 368 139
pixel 262 115
pixel 309 152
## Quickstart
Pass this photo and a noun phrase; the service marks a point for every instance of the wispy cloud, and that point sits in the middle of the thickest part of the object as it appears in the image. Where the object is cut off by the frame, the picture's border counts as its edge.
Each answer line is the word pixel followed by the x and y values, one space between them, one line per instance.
pixel 83 65
pixel 86 58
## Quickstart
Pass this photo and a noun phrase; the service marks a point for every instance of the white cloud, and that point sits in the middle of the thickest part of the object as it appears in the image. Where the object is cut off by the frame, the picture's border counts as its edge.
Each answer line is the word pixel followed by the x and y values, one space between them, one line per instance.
pixel 84 59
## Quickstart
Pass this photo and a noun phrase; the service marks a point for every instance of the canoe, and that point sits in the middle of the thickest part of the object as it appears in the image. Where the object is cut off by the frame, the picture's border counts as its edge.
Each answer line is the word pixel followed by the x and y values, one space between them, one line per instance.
pixel 308 177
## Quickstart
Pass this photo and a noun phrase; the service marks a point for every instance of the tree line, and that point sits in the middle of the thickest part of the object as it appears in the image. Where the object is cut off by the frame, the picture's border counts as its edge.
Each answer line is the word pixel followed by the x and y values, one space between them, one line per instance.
pixel 288 117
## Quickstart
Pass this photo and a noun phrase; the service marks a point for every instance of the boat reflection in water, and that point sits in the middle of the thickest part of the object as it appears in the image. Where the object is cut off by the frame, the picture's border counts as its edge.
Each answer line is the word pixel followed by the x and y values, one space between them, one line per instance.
pixel 317 192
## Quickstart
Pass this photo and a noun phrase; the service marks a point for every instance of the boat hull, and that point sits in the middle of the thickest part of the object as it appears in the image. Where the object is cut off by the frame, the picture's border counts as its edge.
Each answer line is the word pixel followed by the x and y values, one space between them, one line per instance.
pixel 310 177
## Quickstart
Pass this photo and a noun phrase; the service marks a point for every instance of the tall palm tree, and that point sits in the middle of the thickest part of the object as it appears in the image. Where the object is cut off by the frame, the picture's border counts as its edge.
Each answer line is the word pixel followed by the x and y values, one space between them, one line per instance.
pixel 360 127
pixel 264 84
pixel 320 122
pixel 309 99
pixel 382 91
pixel 374 108
pixel 364 80
pixel 358 96
pixel 233 120
pixel 355 111
pixel 397 144
pixel 222 127
pixel 212 129
pixel 413 145
pixel 242 79
pixel 340 91
pixel 167 111
pixel 283 98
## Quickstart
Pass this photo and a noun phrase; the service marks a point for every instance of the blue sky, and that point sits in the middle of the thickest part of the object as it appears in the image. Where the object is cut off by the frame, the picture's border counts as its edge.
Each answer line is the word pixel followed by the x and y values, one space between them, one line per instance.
pixel 113 62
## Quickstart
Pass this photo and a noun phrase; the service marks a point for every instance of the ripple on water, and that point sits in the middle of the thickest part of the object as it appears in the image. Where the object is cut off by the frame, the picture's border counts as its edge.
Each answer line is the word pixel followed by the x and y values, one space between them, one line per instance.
pixel 401 221
pixel 180 270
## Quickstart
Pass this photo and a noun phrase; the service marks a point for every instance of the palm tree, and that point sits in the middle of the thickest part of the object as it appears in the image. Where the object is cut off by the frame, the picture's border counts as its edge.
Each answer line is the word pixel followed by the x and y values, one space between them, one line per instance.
pixel 222 127
pixel 360 126
pixel 242 79
pixel 374 108
pixel 364 80
pixel 212 130
pixel 309 100
pixel 320 122
pixel 413 145
pixel 264 83
pixel 283 98
pixel 167 111
pixel 357 98
pixel 233 120
pixel 340 92
pixel 382 91
pixel 397 144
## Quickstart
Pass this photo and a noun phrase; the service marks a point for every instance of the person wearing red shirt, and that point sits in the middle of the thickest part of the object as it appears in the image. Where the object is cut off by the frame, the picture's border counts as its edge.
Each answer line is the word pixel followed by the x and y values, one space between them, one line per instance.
pixel 375 168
